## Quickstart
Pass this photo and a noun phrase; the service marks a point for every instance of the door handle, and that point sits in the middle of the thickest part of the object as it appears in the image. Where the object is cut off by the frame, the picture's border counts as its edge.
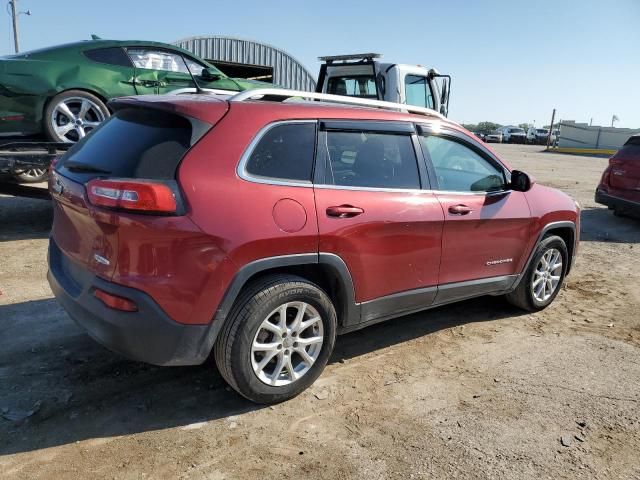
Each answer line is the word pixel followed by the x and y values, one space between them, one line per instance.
pixel 344 211
pixel 459 210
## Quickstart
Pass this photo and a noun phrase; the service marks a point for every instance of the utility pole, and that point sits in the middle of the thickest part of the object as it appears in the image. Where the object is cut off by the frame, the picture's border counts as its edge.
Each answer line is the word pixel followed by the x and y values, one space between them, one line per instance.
pixel 553 117
pixel 14 16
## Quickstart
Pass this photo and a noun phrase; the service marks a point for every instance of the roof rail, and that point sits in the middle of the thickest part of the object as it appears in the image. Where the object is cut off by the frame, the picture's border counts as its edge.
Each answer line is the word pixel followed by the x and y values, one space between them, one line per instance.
pixel 281 95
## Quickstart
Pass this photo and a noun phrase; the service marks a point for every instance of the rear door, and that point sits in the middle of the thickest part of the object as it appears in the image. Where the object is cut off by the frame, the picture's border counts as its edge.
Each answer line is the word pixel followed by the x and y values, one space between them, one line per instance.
pixel 625 167
pixel 486 226
pixel 375 213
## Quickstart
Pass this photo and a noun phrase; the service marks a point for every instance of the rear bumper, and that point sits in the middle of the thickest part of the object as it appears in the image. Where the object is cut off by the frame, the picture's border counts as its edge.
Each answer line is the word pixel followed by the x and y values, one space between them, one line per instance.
pixel 617 202
pixel 147 335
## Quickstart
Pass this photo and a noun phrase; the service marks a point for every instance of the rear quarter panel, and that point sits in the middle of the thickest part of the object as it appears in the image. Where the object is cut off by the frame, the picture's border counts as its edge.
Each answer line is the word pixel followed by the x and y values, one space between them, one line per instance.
pixel 239 215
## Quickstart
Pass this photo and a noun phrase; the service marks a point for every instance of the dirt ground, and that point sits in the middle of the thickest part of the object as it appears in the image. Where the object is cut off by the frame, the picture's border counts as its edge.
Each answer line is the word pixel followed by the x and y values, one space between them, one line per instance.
pixel 472 390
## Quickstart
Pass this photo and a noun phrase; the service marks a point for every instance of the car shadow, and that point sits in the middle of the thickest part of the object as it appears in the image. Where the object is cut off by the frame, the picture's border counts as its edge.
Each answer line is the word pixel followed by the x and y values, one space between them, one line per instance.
pixel 601 225
pixel 24 218
pixel 82 391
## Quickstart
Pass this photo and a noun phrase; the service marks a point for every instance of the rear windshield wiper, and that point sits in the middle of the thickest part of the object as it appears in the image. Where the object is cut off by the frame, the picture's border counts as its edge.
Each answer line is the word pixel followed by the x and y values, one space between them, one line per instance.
pixel 83 167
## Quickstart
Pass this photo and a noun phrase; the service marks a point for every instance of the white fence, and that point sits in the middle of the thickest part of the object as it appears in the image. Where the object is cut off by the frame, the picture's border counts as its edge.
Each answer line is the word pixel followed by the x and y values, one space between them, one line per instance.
pixel 581 135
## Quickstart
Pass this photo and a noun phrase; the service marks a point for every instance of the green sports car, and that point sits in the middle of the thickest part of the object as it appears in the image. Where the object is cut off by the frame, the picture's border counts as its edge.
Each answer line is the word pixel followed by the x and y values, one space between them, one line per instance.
pixel 63 91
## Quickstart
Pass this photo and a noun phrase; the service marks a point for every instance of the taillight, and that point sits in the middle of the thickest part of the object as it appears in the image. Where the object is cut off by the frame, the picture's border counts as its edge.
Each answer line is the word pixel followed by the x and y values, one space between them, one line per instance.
pixel 138 195
pixel 115 302
pixel 606 176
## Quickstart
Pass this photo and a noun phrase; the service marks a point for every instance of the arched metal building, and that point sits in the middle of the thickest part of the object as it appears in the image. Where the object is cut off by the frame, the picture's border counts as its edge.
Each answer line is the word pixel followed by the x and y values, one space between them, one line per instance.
pixel 238 55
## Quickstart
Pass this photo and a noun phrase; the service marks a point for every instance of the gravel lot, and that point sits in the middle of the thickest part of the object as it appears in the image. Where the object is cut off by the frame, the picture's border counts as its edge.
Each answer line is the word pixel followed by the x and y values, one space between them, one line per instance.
pixel 472 390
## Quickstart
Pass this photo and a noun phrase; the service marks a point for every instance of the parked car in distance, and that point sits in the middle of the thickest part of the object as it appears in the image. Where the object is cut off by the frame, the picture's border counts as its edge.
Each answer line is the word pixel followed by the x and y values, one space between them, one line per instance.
pixel 513 135
pixel 480 135
pixel 493 137
pixel 619 188
pixel 537 136
pixel 62 91
pixel 262 229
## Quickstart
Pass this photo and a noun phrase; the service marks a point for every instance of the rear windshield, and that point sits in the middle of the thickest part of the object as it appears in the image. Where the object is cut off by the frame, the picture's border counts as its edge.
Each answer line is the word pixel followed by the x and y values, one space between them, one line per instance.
pixel 630 151
pixel 133 143
pixel 353 86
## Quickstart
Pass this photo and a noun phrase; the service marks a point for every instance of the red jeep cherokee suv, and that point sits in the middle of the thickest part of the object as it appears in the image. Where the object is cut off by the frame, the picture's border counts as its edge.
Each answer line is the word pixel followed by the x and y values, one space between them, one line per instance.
pixel 619 187
pixel 260 230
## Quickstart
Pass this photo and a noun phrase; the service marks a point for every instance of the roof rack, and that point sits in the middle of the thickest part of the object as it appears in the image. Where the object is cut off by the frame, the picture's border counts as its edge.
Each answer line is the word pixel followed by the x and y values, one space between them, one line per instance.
pixel 353 56
pixel 282 95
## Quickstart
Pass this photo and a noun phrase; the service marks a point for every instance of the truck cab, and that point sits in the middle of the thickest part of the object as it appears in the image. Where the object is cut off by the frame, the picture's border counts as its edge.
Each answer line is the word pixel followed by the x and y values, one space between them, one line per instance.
pixel 365 76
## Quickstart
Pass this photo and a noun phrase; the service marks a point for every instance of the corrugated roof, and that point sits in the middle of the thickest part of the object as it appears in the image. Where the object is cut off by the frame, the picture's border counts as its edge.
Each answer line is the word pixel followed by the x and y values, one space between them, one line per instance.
pixel 287 71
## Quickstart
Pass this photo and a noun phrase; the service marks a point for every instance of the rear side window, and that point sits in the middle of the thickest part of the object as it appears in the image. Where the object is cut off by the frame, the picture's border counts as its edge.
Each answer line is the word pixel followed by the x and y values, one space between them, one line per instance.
pixel 110 56
pixel 284 152
pixel 135 143
pixel 374 160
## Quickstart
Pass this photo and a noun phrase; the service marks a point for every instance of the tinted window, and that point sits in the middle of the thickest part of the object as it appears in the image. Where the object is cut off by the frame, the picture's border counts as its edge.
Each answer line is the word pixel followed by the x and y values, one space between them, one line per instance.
pixel 417 91
pixel 460 169
pixel 111 56
pixel 149 59
pixel 630 151
pixel 285 152
pixel 371 160
pixel 133 143
pixel 353 86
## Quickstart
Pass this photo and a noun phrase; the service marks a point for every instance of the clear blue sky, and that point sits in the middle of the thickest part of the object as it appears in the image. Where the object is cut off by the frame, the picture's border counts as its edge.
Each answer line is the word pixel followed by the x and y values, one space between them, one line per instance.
pixel 511 61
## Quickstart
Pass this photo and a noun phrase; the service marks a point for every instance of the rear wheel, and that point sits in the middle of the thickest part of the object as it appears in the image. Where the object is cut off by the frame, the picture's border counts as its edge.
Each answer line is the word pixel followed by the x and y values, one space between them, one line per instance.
pixel 277 339
pixel 543 279
pixel 71 115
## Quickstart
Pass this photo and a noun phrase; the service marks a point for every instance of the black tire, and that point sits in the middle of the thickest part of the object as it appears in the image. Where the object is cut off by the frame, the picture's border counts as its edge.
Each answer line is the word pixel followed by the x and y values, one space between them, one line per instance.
pixel 99 113
pixel 232 350
pixel 523 296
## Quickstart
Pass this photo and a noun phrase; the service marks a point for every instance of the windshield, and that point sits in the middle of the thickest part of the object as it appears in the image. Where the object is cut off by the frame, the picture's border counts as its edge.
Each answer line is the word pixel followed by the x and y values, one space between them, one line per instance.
pixel 542 131
pixel 516 130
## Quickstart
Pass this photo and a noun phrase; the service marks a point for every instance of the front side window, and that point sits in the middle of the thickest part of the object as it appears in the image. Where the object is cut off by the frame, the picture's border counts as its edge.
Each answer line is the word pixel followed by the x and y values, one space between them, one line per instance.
pixel 375 160
pixel 284 152
pixel 459 168
pixel 417 91
pixel 150 59
pixel 353 86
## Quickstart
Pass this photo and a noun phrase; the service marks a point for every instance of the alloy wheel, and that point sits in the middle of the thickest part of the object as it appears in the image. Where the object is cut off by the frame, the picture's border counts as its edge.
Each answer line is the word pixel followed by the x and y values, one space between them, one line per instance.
pixel 547 274
pixel 73 118
pixel 33 173
pixel 287 344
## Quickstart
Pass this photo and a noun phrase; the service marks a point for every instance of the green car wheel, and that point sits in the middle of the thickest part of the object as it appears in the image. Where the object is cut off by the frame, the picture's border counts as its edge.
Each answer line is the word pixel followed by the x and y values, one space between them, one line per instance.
pixel 71 115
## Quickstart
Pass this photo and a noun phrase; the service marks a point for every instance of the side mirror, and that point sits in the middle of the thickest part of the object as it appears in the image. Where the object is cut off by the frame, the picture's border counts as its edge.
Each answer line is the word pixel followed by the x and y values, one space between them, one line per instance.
pixel 520 181
pixel 210 74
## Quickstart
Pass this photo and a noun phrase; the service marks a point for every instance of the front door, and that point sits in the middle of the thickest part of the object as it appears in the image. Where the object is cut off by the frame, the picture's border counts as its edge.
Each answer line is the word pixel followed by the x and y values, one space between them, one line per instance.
pixel 161 71
pixel 374 214
pixel 486 226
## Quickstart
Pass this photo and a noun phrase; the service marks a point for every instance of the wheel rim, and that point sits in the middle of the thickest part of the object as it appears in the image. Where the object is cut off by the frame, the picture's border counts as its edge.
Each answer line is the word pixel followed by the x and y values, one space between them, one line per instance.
pixel 546 276
pixel 34 172
pixel 287 344
pixel 73 118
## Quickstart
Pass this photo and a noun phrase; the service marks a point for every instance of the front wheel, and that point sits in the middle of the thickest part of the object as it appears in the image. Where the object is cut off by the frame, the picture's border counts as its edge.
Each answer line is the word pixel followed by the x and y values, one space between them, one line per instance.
pixel 543 279
pixel 277 339
pixel 31 175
